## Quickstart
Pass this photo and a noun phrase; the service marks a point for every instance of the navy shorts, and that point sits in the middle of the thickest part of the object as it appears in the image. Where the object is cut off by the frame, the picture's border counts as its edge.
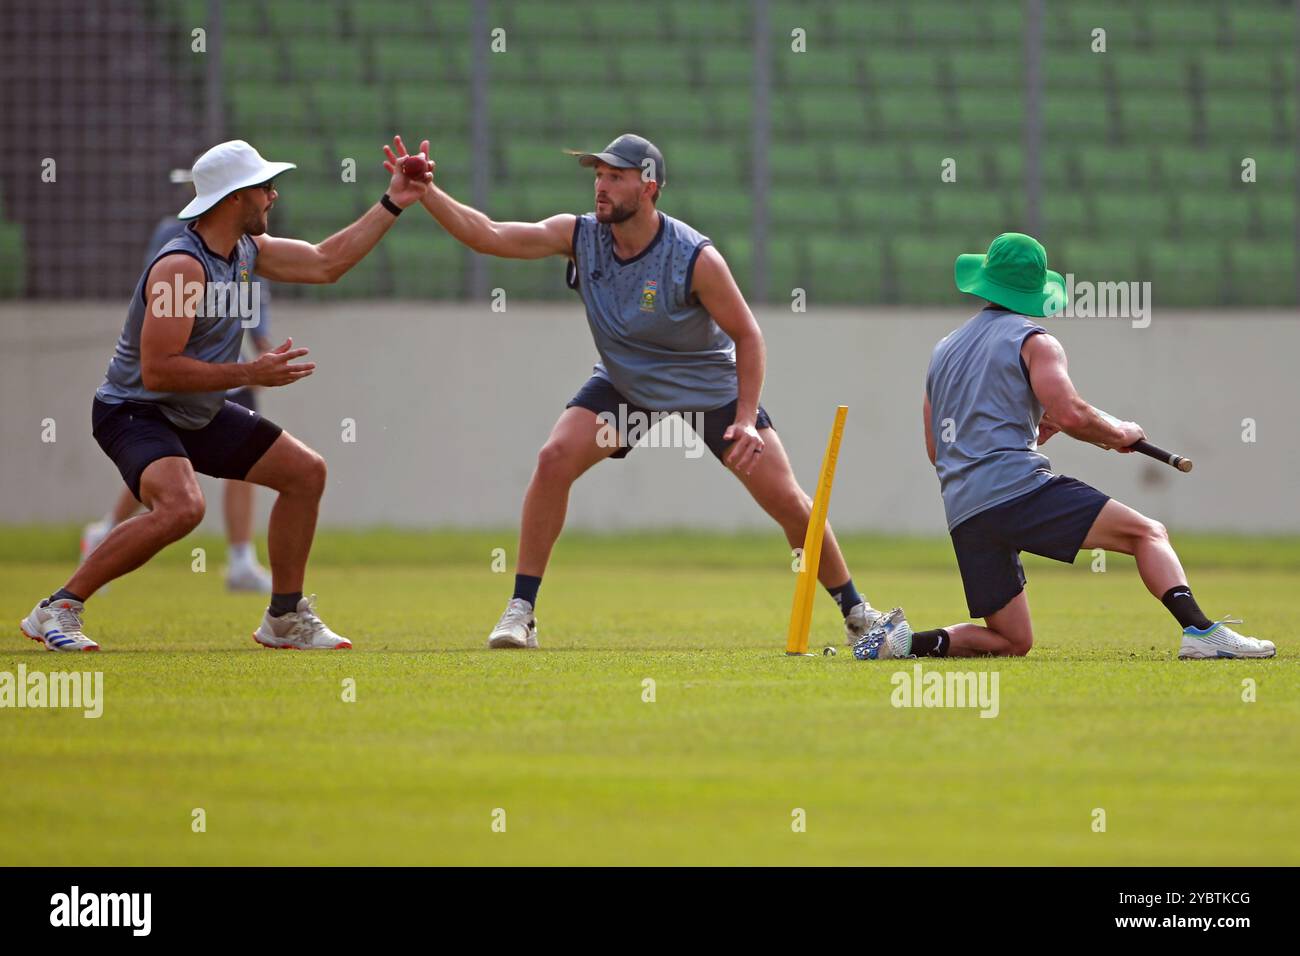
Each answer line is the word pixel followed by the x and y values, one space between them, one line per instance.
pixel 1052 521
pixel 136 434
pixel 244 396
pixel 599 395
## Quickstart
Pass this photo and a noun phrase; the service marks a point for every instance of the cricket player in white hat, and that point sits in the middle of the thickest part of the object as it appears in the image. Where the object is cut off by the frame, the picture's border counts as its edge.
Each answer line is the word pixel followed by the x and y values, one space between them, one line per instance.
pixel 162 415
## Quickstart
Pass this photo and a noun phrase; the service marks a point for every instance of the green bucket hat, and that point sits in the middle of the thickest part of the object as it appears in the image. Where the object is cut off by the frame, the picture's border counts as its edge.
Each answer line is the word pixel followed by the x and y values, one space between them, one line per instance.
pixel 1014 273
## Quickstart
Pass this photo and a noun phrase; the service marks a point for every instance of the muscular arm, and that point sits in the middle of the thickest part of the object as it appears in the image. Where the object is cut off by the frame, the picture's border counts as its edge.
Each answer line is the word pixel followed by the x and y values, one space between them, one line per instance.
pixel 712 282
pixel 168 320
pixel 508 240
pixel 293 260
pixel 929 429
pixel 1065 409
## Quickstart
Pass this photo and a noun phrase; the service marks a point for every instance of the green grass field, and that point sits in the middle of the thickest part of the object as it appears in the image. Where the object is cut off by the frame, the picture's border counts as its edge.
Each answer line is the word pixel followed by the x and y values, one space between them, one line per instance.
pixel 444 732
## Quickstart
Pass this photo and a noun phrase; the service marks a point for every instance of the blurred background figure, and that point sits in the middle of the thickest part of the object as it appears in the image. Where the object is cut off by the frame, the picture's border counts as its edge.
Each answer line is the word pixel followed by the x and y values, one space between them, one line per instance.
pixel 243 571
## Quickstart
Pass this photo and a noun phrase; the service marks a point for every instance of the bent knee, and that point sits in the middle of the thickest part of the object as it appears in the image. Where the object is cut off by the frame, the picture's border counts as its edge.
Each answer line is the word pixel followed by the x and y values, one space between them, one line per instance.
pixel 1018 645
pixel 1142 529
pixel 182 512
pixel 1019 648
pixel 302 475
pixel 313 474
pixel 555 462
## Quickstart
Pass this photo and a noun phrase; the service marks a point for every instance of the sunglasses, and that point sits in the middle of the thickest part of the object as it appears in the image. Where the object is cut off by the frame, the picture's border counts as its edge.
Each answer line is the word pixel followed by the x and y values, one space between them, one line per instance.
pixel 267 187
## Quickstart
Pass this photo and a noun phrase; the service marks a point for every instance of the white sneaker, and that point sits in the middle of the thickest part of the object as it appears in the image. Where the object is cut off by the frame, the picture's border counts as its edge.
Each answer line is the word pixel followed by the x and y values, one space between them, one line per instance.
pixel 58 626
pixel 299 630
pixel 861 618
pixel 1219 640
pixel 248 576
pixel 517 627
pixel 92 535
pixel 890 637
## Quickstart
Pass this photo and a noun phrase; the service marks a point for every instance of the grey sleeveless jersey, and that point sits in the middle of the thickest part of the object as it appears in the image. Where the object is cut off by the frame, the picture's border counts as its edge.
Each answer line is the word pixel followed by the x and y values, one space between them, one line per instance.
pixel 215 337
pixel 657 344
pixel 984 415
pixel 168 229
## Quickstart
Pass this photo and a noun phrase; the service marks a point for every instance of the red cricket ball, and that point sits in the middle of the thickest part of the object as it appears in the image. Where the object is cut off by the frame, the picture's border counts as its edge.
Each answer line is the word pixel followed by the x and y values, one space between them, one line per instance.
pixel 414 166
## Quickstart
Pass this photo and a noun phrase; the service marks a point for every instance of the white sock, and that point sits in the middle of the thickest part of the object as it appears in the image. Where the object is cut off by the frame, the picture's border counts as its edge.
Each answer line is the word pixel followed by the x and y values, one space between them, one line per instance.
pixel 244 553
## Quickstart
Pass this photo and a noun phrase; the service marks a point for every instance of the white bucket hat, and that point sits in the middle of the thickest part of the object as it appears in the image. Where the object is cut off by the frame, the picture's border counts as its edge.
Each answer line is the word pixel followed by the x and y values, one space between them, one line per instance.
pixel 224 169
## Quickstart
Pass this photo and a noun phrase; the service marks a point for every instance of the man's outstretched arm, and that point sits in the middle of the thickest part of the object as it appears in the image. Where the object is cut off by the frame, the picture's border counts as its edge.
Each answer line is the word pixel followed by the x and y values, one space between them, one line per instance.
pixel 292 260
pixel 508 240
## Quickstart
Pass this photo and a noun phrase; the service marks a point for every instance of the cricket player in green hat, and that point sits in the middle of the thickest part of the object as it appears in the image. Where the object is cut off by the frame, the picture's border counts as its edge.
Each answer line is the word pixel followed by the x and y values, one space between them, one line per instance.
pixel 997 388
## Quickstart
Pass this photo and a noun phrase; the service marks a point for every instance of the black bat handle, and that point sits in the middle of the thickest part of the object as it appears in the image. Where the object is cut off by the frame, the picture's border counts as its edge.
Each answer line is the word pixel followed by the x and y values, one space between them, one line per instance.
pixel 1158 453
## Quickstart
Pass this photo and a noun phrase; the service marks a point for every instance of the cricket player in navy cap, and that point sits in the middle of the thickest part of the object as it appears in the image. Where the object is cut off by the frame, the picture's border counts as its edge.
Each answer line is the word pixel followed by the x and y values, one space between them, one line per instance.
pixel 674 336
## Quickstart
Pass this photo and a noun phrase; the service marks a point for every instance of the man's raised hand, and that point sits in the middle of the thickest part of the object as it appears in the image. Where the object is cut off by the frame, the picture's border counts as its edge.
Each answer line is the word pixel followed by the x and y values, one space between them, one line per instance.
pixel 402 189
pixel 275 368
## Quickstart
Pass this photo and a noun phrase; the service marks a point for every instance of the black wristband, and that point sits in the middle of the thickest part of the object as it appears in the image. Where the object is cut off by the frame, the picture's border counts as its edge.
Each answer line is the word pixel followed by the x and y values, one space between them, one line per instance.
pixel 391 206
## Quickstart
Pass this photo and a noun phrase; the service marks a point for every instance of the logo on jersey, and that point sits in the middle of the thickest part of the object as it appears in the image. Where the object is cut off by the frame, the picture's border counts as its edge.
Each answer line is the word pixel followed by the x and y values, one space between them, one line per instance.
pixel 648 295
pixel 243 272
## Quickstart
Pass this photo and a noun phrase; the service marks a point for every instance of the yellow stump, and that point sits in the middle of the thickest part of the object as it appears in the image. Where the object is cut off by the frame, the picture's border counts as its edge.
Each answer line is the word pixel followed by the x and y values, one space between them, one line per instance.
pixel 805 586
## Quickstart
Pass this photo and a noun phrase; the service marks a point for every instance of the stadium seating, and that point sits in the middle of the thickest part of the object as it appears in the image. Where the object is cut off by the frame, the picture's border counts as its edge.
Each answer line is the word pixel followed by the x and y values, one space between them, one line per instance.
pixel 13 261
pixel 1143 144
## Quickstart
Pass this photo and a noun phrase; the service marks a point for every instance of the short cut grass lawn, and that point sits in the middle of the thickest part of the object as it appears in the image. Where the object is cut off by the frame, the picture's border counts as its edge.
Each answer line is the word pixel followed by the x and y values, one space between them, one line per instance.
pixel 562 751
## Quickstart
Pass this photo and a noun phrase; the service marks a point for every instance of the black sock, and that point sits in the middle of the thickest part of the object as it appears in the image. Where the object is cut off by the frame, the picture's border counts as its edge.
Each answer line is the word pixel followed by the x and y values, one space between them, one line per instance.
pixel 1183 606
pixel 526 586
pixel 931 643
pixel 62 594
pixel 846 596
pixel 282 604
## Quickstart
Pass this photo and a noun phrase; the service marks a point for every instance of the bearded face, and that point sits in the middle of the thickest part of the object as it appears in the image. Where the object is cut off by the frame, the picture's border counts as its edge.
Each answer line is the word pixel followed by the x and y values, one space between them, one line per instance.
pixel 614 212
pixel 618 193
pixel 256 203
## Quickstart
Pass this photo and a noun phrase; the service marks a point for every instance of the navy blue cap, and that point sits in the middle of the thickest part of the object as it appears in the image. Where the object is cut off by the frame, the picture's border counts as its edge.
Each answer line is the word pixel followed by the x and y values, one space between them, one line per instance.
pixel 629 151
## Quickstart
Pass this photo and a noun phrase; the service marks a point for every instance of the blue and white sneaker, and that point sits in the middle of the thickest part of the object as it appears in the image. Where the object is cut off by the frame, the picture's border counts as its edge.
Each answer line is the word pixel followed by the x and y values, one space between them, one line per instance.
pixel 57 625
pixel 890 637
pixel 1219 640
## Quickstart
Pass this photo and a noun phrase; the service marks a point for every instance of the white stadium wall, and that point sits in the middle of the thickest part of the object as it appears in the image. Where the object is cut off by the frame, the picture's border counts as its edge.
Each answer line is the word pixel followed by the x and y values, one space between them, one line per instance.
pixel 451 403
